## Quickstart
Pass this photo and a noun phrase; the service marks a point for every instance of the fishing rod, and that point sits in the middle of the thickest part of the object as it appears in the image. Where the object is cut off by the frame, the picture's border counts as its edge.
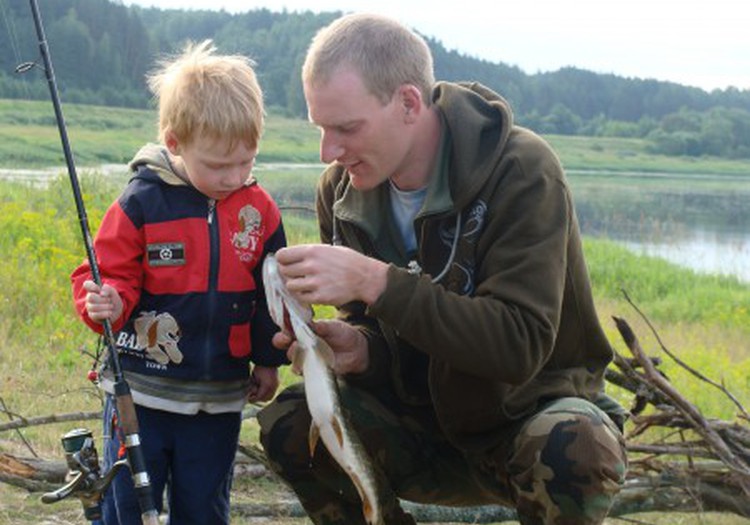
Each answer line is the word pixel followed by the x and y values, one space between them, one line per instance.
pixel 87 484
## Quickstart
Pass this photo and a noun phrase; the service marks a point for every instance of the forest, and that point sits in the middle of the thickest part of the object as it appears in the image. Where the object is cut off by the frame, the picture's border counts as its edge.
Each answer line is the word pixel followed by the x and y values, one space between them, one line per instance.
pixel 102 49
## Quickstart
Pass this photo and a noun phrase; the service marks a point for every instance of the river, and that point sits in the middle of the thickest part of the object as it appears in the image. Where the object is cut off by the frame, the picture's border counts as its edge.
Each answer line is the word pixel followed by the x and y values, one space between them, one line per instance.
pixel 701 222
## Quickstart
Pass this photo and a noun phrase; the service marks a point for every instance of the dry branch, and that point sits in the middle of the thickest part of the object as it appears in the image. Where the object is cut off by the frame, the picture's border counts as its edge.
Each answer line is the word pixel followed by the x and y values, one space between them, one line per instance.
pixel 22 422
pixel 672 466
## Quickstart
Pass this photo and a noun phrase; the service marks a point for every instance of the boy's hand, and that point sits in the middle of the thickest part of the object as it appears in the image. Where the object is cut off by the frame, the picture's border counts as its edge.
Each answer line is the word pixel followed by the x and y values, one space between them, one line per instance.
pixel 265 381
pixel 102 302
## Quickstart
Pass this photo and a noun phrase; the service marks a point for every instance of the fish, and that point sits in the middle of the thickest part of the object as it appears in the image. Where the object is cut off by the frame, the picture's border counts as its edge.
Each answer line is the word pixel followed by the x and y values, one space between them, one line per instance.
pixel 314 360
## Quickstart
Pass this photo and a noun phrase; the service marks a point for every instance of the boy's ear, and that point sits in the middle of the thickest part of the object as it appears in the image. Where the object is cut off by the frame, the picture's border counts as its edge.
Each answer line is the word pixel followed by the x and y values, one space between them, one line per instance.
pixel 171 142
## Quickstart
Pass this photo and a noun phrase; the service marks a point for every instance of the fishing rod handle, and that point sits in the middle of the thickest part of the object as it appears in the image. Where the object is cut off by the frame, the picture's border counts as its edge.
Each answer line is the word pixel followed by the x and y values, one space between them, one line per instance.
pixel 128 422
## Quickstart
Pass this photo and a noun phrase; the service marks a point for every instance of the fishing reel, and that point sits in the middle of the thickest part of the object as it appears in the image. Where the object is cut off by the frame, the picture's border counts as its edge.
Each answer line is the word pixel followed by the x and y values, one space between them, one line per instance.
pixel 84 479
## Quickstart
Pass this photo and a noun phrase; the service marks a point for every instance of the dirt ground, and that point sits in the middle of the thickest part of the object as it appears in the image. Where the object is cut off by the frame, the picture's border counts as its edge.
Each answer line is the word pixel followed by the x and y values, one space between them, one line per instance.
pixel 258 497
pixel 255 492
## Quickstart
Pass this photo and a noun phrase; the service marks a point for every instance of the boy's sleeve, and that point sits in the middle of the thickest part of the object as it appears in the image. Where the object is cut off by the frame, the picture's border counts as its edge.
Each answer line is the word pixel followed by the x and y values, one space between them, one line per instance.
pixel 263 328
pixel 119 251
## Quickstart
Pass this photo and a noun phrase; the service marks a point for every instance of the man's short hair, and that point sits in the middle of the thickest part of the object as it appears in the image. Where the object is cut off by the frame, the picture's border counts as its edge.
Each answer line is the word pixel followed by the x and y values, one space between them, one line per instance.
pixel 385 53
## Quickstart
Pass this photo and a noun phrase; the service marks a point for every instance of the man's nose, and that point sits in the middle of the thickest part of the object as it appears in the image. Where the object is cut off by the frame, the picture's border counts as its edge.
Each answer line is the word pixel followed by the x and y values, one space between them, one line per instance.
pixel 331 148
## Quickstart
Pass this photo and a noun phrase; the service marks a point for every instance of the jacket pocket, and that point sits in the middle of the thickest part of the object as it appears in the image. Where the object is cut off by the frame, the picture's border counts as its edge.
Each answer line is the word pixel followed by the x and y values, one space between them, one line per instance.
pixel 239 340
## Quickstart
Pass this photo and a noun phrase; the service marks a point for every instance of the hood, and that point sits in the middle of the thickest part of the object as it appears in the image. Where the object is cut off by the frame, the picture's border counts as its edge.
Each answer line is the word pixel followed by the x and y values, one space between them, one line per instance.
pixel 156 157
pixel 479 122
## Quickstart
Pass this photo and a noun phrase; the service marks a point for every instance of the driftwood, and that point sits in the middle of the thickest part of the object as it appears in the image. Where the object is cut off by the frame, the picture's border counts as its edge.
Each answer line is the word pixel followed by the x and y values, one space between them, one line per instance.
pixel 680 460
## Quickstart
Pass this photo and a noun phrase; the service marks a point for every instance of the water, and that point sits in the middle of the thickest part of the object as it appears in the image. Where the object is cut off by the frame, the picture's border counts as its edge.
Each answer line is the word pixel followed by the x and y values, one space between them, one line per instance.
pixel 704 252
pixel 701 222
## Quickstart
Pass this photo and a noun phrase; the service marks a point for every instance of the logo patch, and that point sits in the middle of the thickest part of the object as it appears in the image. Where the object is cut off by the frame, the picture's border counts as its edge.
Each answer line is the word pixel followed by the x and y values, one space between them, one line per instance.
pixel 166 254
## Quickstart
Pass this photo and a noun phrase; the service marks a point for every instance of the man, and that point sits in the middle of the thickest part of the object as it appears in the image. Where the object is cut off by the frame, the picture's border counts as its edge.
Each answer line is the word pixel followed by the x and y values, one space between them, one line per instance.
pixel 469 349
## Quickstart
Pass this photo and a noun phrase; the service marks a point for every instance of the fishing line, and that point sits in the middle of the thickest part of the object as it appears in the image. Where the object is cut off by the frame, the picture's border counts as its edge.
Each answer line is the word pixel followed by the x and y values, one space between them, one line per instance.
pixel 10 29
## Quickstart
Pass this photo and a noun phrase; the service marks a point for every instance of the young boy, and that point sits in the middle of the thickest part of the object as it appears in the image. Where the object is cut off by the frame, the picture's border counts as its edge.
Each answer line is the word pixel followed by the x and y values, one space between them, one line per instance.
pixel 180 255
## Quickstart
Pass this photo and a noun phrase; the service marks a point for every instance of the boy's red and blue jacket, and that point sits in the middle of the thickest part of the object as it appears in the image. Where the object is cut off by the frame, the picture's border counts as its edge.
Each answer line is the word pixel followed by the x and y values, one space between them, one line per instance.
pixel 188 269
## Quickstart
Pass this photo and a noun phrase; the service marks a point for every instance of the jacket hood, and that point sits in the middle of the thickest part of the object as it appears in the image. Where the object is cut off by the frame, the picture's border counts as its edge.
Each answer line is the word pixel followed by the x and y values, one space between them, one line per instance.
pixel 156 157
pixel 479 122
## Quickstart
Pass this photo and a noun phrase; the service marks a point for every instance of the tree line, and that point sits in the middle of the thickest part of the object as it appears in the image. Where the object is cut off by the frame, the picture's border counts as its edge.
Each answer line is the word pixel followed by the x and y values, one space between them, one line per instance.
pixel 102 50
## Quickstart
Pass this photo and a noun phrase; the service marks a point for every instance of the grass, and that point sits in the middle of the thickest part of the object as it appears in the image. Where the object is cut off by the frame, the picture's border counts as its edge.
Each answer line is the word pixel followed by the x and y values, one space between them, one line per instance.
pixel 29 137
pixel 104 135
pixel 47 351
pixel 625 155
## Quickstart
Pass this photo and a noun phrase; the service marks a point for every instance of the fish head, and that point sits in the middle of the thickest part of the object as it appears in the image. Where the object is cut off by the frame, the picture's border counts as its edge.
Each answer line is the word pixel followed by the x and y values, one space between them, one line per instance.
pixel 273 285
pixel 281 303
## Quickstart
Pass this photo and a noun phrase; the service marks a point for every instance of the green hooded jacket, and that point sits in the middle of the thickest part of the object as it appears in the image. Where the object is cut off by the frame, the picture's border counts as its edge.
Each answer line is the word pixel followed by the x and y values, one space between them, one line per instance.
pixel 511 322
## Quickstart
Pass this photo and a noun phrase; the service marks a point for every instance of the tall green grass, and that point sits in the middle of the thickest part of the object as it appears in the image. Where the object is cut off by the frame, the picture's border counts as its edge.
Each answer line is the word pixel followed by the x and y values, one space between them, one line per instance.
pixel 705 319
pixel 670 293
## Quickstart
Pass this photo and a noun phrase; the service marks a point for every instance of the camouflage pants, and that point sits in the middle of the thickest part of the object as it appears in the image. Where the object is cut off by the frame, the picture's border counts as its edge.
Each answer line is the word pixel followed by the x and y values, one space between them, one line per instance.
pixel 563 465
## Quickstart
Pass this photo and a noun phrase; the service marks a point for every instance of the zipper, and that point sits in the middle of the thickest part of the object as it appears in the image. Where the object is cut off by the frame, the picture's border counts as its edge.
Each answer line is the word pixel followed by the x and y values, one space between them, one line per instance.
pixel 213 282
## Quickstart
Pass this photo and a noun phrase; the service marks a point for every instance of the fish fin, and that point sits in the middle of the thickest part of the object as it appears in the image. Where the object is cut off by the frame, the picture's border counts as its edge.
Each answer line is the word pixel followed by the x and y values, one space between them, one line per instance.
pixel 312 438
pixel 338 431
pixel 368 510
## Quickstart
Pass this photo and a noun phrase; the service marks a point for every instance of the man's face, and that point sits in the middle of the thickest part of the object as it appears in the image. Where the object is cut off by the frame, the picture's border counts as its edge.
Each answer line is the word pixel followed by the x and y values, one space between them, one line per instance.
pixel 368 138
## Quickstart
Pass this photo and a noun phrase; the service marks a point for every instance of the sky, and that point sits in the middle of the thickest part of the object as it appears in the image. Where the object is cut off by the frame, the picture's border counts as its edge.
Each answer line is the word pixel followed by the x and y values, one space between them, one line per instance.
pixel 701 43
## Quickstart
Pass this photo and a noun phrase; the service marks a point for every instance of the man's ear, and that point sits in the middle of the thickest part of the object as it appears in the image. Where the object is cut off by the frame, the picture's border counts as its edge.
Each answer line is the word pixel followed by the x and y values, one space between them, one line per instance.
pixel 411 101
pixel 172 142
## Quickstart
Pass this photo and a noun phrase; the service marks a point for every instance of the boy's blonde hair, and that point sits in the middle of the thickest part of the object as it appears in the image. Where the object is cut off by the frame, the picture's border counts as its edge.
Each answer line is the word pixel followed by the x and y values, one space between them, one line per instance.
pixel 385 53
pixel 200 93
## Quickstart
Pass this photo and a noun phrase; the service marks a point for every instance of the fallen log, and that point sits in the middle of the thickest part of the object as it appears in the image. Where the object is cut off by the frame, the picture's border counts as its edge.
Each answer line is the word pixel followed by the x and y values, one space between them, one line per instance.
pixel 32 474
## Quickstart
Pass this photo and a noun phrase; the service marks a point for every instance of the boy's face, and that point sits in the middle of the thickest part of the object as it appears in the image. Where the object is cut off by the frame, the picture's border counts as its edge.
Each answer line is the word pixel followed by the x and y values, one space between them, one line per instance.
pixel 211 167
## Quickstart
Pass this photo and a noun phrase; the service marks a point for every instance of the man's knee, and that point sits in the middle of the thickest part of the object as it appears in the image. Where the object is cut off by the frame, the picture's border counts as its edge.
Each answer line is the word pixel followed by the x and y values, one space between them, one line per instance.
pixel 284 426
pixel 569 462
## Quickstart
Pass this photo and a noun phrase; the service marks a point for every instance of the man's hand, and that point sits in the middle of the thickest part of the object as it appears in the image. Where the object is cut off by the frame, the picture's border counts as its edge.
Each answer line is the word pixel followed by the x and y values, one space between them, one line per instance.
pixel 102 302
pixel 348 344
pixel 334 275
